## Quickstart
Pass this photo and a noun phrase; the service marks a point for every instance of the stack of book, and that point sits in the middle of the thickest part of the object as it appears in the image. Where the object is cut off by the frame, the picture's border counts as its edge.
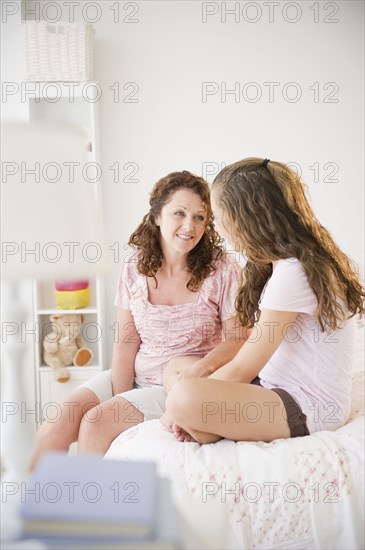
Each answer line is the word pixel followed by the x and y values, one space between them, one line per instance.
pixel 85 502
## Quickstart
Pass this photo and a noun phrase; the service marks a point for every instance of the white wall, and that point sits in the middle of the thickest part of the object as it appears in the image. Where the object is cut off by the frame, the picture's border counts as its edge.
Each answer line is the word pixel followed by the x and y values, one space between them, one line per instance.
pixel 169 52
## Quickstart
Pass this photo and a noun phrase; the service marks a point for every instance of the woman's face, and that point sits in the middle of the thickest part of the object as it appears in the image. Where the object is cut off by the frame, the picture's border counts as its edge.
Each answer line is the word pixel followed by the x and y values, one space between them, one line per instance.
pixel 219 220
pixel 182 222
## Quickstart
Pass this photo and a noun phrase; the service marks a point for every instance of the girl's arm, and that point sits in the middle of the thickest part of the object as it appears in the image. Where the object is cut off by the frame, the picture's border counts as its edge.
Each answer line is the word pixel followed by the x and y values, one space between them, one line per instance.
pixel 126 346
pixel 263 341
pixel 234 338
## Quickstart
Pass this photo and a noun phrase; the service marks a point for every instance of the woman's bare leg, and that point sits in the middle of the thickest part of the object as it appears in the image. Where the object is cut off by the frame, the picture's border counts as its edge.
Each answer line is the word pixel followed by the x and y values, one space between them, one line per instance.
pixel 58 435
pixel 210 409
pixel 102 424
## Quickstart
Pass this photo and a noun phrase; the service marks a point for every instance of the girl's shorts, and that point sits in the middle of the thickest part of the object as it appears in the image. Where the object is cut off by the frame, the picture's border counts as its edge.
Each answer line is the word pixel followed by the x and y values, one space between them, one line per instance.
pixel 150 400
pixel 297 420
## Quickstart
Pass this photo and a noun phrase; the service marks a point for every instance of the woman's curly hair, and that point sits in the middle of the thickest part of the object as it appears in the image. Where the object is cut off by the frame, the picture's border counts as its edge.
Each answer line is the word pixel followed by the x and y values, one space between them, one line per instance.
pixel 266 210
pixel 146 238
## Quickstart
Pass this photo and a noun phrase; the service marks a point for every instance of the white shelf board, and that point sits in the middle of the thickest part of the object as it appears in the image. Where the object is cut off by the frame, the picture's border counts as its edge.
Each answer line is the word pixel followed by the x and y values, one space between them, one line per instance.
pixel 72 368
pixel 55 311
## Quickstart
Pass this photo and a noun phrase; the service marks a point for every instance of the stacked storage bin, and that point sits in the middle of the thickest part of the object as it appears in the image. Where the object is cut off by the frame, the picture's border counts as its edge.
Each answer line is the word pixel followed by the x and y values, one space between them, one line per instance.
pixel 72 294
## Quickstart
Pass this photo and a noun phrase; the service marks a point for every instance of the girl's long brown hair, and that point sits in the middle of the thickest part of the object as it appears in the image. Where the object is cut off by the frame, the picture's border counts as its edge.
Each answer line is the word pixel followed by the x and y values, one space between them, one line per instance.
pixel 266 210
pixel 146 238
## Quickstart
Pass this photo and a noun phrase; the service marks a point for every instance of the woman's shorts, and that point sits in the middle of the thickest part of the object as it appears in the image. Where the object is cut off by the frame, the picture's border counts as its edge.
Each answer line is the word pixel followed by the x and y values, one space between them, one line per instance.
pixel 150 400
pixel 297 420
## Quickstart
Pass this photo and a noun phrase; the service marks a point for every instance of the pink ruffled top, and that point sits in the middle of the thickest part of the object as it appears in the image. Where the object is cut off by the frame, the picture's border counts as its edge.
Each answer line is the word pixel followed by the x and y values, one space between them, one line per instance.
pixel 193 328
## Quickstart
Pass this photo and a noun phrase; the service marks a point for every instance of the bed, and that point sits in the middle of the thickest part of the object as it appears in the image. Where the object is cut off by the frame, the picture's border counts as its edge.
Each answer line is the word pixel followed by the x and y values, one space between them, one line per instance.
pixel 300 493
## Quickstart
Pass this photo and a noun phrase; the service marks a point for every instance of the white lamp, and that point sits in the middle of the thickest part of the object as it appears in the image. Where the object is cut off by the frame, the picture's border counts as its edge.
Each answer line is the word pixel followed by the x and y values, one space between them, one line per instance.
pixel 51 228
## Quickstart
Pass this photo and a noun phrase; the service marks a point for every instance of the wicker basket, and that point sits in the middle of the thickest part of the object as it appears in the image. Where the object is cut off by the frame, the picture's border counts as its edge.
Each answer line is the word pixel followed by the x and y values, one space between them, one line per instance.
pixel 58 51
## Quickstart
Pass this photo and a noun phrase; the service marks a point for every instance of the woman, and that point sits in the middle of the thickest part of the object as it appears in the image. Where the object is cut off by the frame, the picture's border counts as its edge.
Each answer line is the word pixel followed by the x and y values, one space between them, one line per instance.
pixel 175 295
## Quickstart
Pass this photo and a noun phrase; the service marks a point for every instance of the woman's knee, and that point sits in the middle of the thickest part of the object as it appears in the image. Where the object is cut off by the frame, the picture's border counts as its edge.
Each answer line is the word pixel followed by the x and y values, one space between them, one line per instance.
pixel 58 429
pixel 93 421
pixel 109 418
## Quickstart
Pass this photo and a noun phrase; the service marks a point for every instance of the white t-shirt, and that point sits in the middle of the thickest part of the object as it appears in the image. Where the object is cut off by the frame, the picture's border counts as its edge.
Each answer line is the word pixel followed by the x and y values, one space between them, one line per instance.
pixel 314 367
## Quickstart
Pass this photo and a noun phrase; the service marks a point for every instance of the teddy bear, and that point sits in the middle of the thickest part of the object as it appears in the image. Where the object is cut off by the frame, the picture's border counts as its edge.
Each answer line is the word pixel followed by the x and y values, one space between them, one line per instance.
pixel 64 346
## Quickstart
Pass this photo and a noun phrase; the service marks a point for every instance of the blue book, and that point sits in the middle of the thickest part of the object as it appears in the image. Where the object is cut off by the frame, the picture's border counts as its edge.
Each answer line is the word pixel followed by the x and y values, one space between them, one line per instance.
pixel 86 496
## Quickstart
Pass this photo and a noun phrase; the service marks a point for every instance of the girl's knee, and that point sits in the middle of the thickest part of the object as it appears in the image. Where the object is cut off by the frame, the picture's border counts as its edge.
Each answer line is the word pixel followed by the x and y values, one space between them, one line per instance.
pixel 184 388
pixel 180 398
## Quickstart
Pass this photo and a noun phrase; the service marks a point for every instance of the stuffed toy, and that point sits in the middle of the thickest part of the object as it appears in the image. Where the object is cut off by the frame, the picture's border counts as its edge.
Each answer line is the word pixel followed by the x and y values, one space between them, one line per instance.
pixel 64 346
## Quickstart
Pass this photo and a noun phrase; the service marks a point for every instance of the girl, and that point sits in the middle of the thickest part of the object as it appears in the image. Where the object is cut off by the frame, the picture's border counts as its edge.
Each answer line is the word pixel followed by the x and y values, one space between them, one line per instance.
pixel 175 294
pixel 298 296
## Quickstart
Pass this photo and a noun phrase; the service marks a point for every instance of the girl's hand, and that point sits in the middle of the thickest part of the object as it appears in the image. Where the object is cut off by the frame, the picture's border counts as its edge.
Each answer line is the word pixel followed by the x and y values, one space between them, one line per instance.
pixel 197 370
pixel 176 365
pixel 166 421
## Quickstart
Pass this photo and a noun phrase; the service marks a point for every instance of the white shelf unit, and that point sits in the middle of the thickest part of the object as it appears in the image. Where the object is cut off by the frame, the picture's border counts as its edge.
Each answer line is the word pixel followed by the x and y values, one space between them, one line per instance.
pixel 91 330
pixel 76 110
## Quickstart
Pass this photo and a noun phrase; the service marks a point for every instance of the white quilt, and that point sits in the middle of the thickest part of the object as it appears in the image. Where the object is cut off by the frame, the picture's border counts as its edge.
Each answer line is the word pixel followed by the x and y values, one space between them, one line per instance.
pixel 299 493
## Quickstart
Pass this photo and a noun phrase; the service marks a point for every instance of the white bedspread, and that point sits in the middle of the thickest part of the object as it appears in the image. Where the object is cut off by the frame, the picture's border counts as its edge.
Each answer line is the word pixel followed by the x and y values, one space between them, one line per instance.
pixel 297 493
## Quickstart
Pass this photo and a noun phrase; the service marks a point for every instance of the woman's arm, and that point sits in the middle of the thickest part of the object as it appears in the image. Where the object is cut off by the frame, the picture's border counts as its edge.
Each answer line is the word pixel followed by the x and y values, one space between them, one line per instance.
pixel 126 346
pixel 264 340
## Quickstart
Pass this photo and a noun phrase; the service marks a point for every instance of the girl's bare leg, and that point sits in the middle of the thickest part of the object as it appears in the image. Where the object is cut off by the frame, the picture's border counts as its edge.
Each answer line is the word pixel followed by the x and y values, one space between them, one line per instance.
pixel 102 424
pixel 210 409
pixel 171 373
pixel 58 435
